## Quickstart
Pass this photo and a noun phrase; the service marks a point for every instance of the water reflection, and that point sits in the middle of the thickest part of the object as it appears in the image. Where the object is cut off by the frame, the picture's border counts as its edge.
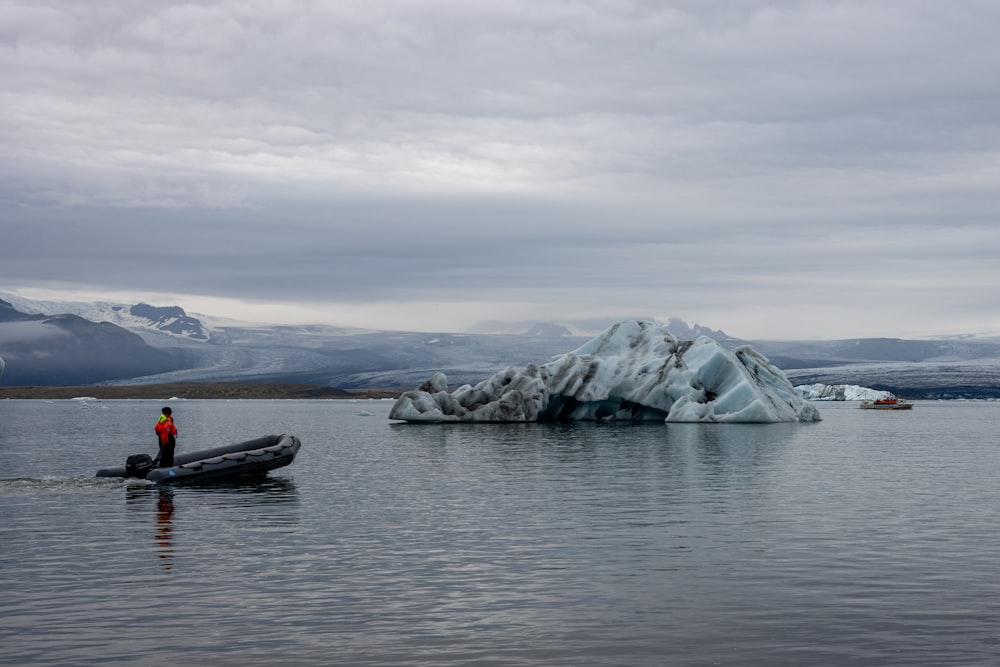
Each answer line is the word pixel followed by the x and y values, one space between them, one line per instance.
pixel 218 508
pixel 247 491
pixel 582 442
pixel 233 493
pixel 623 469
pixel 165 528
pixel 729 444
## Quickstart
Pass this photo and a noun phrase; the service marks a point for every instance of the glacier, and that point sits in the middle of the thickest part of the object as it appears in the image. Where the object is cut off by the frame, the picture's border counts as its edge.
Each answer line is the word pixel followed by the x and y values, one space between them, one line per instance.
pixel 633 371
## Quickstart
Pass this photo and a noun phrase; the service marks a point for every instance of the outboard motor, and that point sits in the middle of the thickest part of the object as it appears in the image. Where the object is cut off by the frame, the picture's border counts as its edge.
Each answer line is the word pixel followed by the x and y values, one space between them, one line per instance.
pixel 138 465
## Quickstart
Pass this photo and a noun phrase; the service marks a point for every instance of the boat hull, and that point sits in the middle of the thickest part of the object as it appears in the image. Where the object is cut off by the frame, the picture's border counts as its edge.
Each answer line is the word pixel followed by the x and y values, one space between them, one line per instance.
pixel 253 457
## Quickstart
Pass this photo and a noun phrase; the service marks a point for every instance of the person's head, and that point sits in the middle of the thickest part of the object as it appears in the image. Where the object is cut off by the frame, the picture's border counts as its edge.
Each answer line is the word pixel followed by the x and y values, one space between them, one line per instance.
pixel 167 411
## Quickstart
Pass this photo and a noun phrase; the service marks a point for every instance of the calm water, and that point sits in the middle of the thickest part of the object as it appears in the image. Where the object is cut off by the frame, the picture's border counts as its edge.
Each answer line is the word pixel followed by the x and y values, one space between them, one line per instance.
pixel 868 538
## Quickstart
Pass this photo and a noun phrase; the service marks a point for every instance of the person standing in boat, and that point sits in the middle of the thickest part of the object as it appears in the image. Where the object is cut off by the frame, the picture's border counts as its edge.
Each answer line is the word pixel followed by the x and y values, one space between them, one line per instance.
pixel 167 433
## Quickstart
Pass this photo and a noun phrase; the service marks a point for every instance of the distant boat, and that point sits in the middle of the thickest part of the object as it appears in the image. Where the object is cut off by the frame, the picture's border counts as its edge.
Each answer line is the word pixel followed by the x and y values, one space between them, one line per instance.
pixel 887 404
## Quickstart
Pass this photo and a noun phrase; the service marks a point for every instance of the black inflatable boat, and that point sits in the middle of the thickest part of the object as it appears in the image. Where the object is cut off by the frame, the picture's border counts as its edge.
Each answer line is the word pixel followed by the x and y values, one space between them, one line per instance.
pixel 253 457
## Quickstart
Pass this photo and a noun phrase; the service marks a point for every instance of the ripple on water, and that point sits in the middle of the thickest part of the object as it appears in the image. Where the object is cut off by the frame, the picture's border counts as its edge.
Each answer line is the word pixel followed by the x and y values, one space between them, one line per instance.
pixel 860 539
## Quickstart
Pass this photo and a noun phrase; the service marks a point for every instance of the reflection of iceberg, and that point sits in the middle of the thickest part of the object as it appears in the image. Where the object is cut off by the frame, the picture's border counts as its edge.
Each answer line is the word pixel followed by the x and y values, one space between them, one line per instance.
pixel 632 371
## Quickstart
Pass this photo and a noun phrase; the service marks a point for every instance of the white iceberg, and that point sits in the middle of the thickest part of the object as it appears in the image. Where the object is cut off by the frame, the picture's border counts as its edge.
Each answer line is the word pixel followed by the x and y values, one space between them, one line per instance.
pixel 840 392
pixel 2 364
pixel 634 371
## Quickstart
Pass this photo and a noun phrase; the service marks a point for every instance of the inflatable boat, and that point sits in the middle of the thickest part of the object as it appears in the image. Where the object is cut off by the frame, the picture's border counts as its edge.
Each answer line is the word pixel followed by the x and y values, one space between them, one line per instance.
pixel 253 457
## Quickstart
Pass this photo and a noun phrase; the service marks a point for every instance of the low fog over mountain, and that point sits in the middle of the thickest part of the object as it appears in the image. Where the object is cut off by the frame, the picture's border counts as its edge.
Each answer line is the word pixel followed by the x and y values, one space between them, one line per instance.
pixel 66 349
pixel 62 343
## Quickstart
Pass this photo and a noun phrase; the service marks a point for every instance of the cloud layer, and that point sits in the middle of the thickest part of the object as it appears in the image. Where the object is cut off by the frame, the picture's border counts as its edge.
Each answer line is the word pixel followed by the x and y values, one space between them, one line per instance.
pixel 796 169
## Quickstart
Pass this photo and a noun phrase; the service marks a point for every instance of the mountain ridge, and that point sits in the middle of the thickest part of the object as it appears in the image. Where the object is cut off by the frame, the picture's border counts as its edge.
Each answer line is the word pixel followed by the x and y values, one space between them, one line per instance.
pixel 68 349
pixel 191 350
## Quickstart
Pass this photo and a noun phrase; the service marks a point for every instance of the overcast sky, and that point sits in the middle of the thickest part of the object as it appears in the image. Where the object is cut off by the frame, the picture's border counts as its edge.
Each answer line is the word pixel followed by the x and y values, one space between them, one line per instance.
pixel 785 169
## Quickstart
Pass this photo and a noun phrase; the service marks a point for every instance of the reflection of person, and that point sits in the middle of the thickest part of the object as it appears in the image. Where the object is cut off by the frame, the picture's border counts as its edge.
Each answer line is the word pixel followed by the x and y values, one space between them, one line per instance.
pixel 167 433
pixel 165 527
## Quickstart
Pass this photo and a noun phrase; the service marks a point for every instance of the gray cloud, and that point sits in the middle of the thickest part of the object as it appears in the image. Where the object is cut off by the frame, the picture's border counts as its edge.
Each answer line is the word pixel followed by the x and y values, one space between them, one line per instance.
pixel 771 168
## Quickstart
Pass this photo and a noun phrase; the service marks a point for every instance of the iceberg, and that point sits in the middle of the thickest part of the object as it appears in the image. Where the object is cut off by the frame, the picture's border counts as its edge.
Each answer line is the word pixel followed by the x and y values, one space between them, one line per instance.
pixel 2 364
pixel 840 392
pixel 633 371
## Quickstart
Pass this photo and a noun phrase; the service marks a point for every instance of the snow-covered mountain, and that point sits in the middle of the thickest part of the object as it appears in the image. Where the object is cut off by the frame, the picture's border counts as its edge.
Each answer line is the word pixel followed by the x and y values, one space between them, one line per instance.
pixel 589 328
pixel 204 348
pixel 66 349
pixel 317 354
pixel 955 367
pixel 139 318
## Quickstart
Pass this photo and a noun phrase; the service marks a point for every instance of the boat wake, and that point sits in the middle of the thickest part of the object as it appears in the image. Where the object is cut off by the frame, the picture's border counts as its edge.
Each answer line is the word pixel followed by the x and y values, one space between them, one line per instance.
pixel 65 484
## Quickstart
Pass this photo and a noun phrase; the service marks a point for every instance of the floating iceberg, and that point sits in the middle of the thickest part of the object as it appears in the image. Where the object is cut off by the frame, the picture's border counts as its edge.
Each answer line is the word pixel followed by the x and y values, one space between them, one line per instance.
pixel 840 392
pixel 634 371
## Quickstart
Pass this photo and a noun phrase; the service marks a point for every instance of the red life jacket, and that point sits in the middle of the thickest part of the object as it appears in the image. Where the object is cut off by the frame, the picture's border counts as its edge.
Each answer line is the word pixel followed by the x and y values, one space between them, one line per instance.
pixel 165 429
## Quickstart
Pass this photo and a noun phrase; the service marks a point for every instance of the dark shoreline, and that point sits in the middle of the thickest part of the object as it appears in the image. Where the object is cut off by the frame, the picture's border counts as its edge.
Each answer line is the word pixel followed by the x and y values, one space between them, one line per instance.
pixel 222 390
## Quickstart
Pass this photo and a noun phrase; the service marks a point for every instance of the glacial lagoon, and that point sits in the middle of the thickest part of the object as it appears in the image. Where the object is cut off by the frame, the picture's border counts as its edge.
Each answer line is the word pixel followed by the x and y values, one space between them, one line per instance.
pixel 866 538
